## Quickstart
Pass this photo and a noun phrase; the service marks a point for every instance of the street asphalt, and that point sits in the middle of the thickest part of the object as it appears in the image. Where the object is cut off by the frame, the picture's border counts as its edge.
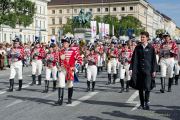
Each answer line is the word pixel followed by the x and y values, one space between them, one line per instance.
pixel 105 103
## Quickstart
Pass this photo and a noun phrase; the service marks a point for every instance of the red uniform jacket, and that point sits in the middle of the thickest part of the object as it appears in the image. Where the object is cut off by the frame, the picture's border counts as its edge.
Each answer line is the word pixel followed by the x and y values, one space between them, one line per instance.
pixel 52 58
pixel 113 52
pixel 126 55
pixel 92 59
pixel 16 54
pixel 169 48
pixel 38 53
pixel 67 59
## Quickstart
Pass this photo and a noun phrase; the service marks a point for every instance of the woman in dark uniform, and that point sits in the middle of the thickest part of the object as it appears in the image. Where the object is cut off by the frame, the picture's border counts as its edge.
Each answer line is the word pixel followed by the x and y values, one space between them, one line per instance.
pixel 143 69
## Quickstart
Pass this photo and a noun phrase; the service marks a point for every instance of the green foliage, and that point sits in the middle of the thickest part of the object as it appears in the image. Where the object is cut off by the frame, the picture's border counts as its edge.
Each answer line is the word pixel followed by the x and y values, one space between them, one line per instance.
pixel 130 22
pixel 68 27
pixel 18 12
pixel 159 31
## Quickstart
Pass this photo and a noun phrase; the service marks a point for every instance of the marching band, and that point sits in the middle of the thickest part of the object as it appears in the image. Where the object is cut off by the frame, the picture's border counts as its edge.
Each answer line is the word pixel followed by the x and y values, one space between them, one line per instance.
pixel 62 63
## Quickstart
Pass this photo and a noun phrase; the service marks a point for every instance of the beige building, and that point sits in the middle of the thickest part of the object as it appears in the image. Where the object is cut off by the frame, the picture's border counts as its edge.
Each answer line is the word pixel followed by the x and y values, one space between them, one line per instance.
pixel 60 10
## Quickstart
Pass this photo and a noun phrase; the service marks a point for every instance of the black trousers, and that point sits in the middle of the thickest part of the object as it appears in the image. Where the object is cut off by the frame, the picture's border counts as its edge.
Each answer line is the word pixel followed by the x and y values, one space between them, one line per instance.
pixel 144 96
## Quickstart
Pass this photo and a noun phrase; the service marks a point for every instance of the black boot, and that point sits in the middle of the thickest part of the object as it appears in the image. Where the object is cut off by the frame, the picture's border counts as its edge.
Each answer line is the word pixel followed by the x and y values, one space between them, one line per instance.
pixel 109 79
pixel 39 79
pixel 93 85
pixel 54 86
pixel 162 85
pixel 70 93
pixel 33 80
pixel 147 94
pixel 20 85
pixel 176 79
pixel 88 86
pixel 46 87
pixel 127 86
pixel 60 96
pixel 114 78
pixel 101 69
pixel 122 86
pixel 170 84
pixel 141 97
pixel 11 87
pixel 172 81
pixel 85 73
pixel 98 70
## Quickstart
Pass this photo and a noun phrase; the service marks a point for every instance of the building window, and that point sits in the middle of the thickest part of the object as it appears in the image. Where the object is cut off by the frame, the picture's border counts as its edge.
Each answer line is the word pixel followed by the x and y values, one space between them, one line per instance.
pixel 67 10
pixel 60 20
pixel 123 9
pixel 40 10
pixel 131 8
pixel 60 11
pixel 53 21
pixel 53 31
pixel 36 23
pixel 53 12
pixel 114 9
pixel 40 24
pixel 98 10
pixel 106 9
pixel 90 10
pixel 44 26
pixel 75 10
pixel 5 37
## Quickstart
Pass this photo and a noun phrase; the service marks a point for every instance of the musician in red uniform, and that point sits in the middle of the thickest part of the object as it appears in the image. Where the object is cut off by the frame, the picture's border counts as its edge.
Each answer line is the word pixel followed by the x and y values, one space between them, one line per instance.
pixel 125 61
pixel 168 52
pixel 112 61
pixel 37 55
pixel 100 51
pixel 16 56
pixel 51 60
pixel 92 60
pixel 67 59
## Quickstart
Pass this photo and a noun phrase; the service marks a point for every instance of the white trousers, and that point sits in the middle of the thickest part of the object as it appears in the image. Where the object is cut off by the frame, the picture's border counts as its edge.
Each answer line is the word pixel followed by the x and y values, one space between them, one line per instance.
pixel 16 67
pixel 124 72
pixel 100 61
pixel 111 66
pixel 177 67
pixel 167 66
pixel 62 80
pixel 36 67
pixel 52 70
pixel 91 72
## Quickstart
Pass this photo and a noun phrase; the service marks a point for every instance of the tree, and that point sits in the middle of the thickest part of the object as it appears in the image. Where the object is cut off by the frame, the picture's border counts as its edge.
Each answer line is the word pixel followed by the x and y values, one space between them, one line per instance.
pixel 130 22
pixel 159 31
pixel 68 26
pixel 17 12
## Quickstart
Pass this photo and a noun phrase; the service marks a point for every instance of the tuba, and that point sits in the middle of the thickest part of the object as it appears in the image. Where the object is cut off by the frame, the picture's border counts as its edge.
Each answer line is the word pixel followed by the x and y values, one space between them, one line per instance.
pixel 82 43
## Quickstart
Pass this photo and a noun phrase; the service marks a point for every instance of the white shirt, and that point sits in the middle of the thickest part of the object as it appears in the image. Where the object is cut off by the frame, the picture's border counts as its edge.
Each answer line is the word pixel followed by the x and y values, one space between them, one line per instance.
pixel 144 45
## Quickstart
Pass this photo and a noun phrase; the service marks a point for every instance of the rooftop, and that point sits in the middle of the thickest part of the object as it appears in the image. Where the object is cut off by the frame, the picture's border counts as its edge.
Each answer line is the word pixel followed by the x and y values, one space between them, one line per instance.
pixel 66 2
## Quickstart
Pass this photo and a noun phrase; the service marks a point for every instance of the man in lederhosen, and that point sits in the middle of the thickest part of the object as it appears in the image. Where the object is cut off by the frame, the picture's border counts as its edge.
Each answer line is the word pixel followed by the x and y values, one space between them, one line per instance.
pixel 16 56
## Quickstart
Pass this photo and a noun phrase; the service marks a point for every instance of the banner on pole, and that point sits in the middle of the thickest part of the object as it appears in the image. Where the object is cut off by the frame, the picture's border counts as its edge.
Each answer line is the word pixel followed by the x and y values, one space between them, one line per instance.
pixel 93 29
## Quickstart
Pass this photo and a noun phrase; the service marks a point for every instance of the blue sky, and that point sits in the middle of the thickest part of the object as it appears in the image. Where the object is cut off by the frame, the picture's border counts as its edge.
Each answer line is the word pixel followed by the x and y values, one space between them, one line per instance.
pixel 169 7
